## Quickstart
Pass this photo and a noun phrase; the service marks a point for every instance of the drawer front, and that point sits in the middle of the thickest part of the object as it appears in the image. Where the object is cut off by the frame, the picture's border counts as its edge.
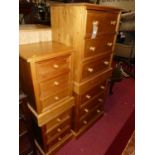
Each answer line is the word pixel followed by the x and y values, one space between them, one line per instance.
pixel 90 83
pixel 59 138
pixel 94 47
pixel 99 23
pixel 93 92
pixel 95 66
pixel 88 118
pixel 51 68
pixel 59 119
pixel 58 130
pixel 54 99
pixel 88 107
pixel 53 86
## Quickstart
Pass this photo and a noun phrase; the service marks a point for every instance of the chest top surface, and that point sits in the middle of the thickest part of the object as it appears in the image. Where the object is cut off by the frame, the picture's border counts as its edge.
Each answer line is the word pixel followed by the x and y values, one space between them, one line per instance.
pixel 89 6
pixel 43 50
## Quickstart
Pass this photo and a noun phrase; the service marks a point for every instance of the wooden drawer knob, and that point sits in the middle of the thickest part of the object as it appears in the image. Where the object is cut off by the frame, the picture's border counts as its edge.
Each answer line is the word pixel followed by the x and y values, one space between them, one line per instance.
pixel 109 44
pixel 55 66
pixel 102 87
pixel 100 100
pixel 58 119
pixel 106 62
pixel 59 139
pixel 88 96
pixel 56 83
pixel 90 70
pixel 56 98
pixel 98 111
pixel 92 48
pixel 86 110
pixel 95 22
pixel 112 22
pixel 85 122
pixel 59 129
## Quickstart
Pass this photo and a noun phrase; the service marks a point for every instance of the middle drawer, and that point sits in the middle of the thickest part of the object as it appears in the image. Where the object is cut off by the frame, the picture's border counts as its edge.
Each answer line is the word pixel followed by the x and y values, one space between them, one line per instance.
pixel 95 66
pixel 51 87
pixel 95 47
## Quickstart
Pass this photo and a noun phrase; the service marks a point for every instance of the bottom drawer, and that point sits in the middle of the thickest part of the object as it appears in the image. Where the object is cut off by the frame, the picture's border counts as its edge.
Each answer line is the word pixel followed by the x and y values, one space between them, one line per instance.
pixel 86 119
pixel 58 130
pixel 89 106
pixel 58 138
pixel 56 147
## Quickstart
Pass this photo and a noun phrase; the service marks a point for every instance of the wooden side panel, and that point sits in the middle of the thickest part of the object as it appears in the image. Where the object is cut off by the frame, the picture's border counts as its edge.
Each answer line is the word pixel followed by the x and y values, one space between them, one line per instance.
pixel 68 27
pixel 26 81
pixel 115 37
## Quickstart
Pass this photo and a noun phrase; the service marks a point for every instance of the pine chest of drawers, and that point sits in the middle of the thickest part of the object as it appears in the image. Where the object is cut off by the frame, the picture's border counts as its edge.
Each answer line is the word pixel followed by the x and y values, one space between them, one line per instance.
pixel 46 77
pixel 91 30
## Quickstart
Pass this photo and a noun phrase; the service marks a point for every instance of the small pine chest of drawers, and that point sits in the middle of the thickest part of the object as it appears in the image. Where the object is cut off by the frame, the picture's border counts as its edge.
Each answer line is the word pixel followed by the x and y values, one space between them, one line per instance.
pixel 91 30
pixel 46 77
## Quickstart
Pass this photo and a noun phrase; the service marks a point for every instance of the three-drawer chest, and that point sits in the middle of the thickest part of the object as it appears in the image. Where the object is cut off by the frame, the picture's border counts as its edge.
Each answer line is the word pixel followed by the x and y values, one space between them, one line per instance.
pixel 46 77
pixel 91 30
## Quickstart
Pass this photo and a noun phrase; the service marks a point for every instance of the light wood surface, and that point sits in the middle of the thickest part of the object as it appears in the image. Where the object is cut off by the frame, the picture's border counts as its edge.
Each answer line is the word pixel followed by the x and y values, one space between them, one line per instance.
pixel 90 6
pixel 34 33
pixel 91 30
pixel 43 51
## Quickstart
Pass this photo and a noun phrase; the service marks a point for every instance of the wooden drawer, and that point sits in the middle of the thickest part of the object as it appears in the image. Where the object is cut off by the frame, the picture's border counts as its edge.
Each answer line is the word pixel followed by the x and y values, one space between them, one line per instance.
pixel 49 117
pixel 59 119
pixel 51 87
pixel 103 22
pixel 94 47
pixel 52 67
pixel 93 92
pixel 95 66
pixel 89 106
pixel 83 87
pixel 54 99
pixel 88 118
pixel 58 129
pixel 59 138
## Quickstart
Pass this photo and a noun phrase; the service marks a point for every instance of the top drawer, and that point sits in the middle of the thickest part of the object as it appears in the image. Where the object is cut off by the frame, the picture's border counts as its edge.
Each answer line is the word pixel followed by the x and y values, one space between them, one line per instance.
pixel 99 23
pixel 52 67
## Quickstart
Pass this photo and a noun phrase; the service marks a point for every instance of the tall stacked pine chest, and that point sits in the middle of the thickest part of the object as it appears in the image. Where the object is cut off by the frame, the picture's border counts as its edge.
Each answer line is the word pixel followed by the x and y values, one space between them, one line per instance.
pixel 46 77
pixel 91 30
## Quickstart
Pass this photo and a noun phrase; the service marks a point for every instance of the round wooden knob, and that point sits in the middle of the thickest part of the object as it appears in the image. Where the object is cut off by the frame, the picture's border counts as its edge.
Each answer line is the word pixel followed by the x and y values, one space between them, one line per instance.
pixel 56 83
pixel 100 100
pixel 85 122
pixel 113 22
pixel 59 129
pixel 106 62
pixel 109 44
pixel 56 98
pixel 86 110
pixel 90 70
pixel 98 110
pixel 56 66
pixel 95 22
pixel 59 139
pixel 58 119
pixel 88 96
pixel 102 87
pixel 92 48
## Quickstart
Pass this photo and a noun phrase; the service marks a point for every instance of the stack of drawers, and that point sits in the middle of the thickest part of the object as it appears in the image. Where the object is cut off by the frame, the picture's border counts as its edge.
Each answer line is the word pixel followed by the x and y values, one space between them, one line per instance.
pixel 91 30
pixel 46 77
